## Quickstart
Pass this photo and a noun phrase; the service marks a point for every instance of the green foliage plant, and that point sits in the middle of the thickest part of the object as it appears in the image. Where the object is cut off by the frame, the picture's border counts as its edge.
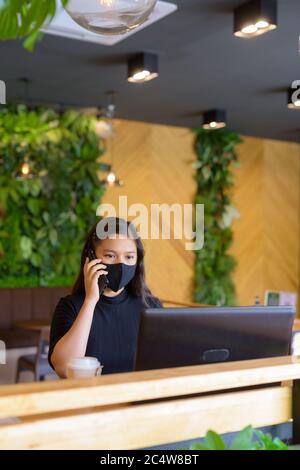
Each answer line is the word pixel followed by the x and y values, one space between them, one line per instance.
pixel 214 266
pixel 244 440
pixel 44 220
pixel 24 18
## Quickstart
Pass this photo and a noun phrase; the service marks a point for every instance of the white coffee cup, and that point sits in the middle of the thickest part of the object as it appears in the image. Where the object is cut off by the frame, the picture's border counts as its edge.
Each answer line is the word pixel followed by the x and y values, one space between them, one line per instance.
pixel 295 349
pixel 83 367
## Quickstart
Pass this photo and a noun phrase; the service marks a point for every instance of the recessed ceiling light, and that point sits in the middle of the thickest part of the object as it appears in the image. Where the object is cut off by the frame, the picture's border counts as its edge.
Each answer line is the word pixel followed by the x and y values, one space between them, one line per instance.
pixel 250 29
pixel 255 18
pixel 142 67
pixel 214 119
pixel 262 24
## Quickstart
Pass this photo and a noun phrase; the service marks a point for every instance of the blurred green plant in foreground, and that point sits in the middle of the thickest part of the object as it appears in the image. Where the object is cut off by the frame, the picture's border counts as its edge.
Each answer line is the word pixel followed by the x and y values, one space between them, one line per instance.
pixel 21 19
pixel 244 440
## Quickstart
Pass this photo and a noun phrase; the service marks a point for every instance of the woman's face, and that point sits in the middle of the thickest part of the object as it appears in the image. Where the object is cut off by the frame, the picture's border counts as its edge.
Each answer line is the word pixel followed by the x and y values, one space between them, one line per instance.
pixel 120 249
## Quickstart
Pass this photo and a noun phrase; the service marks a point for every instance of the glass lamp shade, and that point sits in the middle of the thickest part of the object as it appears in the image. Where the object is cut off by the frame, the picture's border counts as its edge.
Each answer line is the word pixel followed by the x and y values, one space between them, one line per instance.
pixel 108 17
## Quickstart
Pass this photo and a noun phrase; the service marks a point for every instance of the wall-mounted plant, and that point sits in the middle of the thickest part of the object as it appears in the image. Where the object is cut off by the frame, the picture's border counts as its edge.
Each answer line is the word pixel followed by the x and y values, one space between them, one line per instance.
pixel 43 220
pixel 216 153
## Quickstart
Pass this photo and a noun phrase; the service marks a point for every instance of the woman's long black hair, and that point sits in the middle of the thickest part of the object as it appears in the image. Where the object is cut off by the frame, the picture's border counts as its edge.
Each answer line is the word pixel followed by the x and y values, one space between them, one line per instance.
pixel 137 286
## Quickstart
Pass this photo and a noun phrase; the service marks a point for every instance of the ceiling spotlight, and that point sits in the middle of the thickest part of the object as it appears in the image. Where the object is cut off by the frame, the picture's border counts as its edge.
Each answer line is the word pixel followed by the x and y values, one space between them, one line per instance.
pixel 255 18
pixel 142 67
pixel 214 119
pixel 294 95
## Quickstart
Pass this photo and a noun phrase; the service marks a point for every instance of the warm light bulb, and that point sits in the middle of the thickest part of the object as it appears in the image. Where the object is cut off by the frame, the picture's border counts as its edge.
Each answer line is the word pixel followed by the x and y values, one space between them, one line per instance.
pixel 25 169
pixel 254 18
pixel 250 29
pixel 262 24
pixel 107 3
pixel 141 75
pixel 214 125
pixel 111 178
pixel 110 17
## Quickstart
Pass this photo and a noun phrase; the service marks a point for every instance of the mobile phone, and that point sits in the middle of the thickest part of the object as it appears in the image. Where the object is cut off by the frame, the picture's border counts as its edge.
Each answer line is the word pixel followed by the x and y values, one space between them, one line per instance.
pixel 102 281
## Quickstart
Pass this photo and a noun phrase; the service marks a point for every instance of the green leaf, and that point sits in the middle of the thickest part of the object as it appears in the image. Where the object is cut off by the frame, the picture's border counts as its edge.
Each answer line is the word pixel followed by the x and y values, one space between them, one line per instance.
pixel 42 233
pixel 214 441
pixel 53 236
pixel 267 443
pixel 46 217
pixel 33 205
pixel 32 39
pixel 36 259
pixel 26 247
pixel 35 187
pixel 243 440
pixel 20 18
pixel 4 234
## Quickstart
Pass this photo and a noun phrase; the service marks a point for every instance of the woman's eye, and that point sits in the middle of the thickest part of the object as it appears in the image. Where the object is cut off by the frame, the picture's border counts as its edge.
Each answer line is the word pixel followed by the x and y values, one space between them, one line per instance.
pixel 109 256
pixel 130 257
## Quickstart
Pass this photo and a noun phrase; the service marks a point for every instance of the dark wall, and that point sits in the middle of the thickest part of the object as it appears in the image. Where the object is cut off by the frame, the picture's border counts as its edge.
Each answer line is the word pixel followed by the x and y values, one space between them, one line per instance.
pixel 19 304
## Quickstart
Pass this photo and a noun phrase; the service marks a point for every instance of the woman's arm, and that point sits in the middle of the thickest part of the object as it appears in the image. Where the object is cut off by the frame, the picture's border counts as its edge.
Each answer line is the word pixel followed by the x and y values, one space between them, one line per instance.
pixel 74 342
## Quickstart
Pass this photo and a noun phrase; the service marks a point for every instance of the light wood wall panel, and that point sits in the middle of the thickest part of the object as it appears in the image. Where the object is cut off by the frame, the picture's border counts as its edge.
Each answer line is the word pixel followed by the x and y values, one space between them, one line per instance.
pixel 248 246
pixel 155 163
pixel 266 238
pixel 282 211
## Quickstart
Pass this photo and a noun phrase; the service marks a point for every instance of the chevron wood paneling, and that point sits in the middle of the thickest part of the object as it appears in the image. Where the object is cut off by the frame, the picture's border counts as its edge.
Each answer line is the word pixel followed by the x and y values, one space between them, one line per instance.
pixel 282 228
pixel 155 163
pixel 248 246
pixel 266 241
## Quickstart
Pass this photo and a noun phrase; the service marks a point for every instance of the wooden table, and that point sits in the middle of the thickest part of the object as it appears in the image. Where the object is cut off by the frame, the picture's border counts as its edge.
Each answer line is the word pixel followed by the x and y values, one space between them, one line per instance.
pixel 40 330
pixel 296 325
pixel 142 409
pixel 38 324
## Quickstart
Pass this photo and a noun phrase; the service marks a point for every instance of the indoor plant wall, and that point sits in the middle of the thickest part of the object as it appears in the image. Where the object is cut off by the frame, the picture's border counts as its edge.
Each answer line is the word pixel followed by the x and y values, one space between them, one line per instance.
pixel 43 220
pixel 216 153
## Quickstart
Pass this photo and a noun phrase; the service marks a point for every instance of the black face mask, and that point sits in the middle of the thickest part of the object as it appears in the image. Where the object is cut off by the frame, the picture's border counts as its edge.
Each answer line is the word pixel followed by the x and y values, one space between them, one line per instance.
pixel 119 275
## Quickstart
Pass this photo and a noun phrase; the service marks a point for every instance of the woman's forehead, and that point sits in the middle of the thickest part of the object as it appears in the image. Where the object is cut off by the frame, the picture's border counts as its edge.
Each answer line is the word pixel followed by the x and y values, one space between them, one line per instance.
pixel 118 243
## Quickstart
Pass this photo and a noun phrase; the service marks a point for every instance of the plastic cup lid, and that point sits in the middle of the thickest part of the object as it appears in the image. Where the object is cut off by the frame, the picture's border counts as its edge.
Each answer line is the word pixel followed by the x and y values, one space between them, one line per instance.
pixel 83 362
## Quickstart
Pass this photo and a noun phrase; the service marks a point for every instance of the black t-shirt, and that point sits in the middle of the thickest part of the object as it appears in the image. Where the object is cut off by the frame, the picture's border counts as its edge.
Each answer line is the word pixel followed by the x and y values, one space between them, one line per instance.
pixel 113 334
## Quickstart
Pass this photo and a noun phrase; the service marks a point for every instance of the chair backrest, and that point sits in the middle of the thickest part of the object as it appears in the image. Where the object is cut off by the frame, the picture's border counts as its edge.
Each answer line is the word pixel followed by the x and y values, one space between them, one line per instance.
pixel 43 343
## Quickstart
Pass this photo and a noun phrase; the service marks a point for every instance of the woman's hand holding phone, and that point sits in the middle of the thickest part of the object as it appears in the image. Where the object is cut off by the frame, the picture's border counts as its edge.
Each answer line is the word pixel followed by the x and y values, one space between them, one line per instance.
pixel 93 269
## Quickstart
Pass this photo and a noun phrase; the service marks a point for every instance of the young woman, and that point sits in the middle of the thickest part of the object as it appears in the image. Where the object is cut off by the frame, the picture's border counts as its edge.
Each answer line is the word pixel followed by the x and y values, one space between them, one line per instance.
pixel 105 326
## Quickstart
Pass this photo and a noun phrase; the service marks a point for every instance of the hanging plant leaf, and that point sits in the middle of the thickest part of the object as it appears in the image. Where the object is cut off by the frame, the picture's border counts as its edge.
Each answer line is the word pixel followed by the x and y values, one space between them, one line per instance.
pixel 24 18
